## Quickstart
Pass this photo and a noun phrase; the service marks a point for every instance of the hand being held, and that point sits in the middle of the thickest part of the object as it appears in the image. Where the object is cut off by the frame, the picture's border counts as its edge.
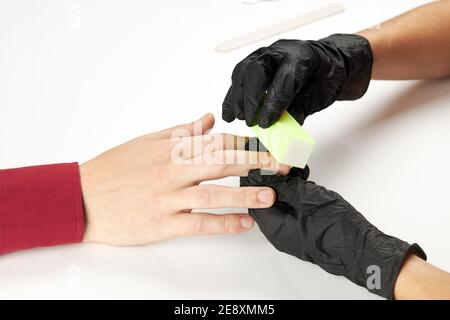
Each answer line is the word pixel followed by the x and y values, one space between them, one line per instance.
pixel 138 193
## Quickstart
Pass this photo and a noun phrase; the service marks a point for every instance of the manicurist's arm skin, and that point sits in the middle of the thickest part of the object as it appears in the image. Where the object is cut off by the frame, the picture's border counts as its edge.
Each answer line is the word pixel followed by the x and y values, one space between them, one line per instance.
pixel 414 45
pixel 420 280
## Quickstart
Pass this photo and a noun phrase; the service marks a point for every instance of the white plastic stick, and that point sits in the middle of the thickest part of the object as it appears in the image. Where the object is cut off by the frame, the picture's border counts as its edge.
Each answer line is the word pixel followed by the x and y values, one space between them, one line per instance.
pixel 270 31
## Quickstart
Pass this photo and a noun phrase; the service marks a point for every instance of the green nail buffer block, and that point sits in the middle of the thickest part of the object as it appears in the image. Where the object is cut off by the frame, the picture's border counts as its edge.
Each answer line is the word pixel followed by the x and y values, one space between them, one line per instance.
pixel 287 141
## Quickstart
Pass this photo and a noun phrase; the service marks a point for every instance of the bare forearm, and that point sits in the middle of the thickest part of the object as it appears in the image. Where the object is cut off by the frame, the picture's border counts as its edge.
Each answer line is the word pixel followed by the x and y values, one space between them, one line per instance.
pixel 421 280
pixel 414 45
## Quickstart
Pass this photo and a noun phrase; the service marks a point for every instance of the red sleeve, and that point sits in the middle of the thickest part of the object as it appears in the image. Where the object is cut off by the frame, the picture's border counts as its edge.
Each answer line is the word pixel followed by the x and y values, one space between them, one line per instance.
pixel 40 206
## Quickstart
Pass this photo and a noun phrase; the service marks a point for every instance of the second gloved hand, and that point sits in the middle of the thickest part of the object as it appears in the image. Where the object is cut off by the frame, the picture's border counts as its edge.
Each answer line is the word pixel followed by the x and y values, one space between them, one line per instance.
pixel 317 225
pixel 301 77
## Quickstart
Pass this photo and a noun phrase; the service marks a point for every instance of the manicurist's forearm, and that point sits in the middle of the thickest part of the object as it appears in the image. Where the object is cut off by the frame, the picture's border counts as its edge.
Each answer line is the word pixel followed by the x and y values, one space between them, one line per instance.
pixel 414 45
pixel 420 280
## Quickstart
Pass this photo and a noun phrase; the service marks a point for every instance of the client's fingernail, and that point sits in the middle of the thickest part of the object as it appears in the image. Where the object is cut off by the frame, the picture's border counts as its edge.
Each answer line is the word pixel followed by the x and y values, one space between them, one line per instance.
pixel 284 169
pixel 246 222
pixel 265 197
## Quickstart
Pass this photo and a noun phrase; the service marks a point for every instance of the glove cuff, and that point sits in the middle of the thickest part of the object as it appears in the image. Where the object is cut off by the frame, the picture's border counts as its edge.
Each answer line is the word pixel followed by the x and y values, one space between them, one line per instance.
pixel 390 283
pixel 379 266
pixel 357 55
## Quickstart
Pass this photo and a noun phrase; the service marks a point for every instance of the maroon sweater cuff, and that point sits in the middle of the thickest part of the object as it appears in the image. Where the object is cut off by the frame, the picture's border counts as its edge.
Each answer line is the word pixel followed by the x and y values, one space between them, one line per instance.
pixel 40 206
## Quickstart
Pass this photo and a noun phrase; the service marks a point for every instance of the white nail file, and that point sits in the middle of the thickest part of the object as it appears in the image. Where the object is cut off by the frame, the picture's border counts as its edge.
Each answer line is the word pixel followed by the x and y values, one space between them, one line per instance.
pixel 270 31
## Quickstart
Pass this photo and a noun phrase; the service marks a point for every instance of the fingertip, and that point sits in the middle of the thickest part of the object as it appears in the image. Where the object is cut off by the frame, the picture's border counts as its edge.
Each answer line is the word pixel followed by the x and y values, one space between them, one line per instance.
pixel 247 222
pixel 250 122
pixel 205 117
pixel 208 116
pixel 208 121
pixel 266 197
pixel 265 121
pixel 228 118
pixel 270 113
pixel 227 113
pixel 284 169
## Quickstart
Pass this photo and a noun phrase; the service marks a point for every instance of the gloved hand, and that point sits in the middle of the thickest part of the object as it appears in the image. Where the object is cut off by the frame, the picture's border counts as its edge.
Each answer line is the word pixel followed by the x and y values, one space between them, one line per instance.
pixel 319 226
pixel 301 77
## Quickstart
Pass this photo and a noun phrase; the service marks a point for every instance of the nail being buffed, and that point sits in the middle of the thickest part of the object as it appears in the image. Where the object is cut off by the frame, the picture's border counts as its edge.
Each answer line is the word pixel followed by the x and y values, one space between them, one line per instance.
pixel 287 141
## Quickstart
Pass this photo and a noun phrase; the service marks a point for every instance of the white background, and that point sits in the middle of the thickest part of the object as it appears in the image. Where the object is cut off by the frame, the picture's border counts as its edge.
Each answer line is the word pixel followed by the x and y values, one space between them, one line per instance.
pixel 78 77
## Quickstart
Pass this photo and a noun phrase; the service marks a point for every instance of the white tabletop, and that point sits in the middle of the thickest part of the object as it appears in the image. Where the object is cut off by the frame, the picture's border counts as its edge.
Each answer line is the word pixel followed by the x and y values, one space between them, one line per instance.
pixel 80 76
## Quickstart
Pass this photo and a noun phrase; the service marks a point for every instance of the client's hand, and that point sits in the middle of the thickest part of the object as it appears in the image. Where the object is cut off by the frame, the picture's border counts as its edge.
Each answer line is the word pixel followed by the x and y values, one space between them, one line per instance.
pixel 143 191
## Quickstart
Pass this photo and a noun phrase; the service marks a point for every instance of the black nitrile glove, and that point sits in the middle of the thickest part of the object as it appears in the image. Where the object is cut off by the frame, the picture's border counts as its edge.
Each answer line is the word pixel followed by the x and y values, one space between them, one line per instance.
pixel 301 77
pixel 319 226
